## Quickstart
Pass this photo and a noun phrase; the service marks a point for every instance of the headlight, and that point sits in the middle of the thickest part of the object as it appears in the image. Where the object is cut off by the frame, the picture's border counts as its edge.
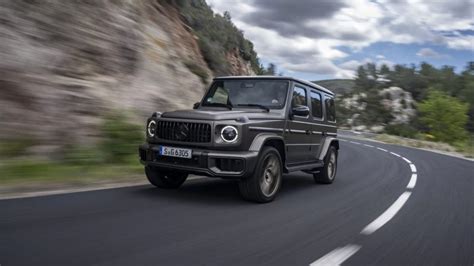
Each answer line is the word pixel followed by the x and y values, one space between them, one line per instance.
pixel 151 128
pixel 229 134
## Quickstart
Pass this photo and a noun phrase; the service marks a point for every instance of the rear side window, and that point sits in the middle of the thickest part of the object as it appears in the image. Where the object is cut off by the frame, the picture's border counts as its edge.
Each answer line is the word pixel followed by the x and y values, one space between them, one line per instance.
pixel 316 105
pixel 330 110
pixel 299 97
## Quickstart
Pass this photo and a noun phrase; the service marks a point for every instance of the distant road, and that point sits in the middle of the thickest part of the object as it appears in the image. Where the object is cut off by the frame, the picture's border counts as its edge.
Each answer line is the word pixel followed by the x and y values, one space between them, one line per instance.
pixel 353 133
pixel 389 205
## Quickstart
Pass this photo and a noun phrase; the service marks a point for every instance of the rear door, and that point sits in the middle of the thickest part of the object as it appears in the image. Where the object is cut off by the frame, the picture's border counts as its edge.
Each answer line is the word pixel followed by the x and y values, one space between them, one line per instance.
pixel 330 108
pixel 298 135
pixel 318 128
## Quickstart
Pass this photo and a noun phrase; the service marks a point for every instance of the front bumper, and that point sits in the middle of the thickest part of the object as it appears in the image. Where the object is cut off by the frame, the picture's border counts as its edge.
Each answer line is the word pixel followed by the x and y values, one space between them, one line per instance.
pixel 226 164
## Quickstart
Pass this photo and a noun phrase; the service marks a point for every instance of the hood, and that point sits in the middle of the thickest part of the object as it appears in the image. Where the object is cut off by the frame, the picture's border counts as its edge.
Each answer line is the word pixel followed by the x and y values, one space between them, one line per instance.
pixel 216 114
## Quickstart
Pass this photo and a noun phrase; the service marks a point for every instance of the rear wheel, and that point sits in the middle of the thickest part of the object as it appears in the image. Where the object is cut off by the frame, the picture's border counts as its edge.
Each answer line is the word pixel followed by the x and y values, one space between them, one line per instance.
pixel 265 182
pixel 328 172
pixel 163 179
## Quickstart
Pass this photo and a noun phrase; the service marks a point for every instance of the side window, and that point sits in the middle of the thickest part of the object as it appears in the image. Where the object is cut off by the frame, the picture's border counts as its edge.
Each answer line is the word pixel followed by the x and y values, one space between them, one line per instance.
pixel 316 105
pixel 330 109
pixel 299 97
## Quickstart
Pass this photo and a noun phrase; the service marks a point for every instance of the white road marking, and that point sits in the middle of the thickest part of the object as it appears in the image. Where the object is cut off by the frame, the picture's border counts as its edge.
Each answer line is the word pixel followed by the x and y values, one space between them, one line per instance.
pixel 413 168
pixel 337 256
pixel 412 182
pixel 341 254
pixel 343 140
pixel 387 215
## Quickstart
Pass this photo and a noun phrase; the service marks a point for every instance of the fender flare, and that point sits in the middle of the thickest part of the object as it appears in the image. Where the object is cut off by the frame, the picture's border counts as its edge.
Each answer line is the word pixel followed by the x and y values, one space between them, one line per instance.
pixel 260 139
pixel 328 141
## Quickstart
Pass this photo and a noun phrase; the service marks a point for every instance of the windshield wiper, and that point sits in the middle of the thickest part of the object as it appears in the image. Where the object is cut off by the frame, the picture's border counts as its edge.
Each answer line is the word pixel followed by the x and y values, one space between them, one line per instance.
pixel 256 105
pixel 220 105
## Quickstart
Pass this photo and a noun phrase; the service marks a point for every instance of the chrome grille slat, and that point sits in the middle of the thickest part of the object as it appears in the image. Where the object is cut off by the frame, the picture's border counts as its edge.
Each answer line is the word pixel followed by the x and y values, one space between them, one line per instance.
pixel 196 132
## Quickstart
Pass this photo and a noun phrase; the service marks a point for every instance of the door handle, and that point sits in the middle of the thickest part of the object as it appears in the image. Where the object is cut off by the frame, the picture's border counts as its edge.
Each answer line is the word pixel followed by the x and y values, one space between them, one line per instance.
pixel 308 132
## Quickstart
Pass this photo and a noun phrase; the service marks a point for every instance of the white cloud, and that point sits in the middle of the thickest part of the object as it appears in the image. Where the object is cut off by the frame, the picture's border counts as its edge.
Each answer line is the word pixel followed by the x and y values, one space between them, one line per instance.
pixel 428 52
pixel 461 42
pixel 311 42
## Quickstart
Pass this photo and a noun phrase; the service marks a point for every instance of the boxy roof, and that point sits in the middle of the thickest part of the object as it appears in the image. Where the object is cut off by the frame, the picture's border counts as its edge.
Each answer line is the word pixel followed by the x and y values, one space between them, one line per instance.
pixel 307 83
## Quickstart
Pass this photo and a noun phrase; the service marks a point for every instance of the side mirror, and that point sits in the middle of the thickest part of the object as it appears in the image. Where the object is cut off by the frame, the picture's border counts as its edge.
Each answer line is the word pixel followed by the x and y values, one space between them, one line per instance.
pixel 196 105
pixel 300 110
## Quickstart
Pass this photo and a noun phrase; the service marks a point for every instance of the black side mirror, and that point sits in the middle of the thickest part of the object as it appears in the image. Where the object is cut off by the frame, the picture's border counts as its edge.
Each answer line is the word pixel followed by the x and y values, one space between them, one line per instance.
pixel 300 110
pixel 196 105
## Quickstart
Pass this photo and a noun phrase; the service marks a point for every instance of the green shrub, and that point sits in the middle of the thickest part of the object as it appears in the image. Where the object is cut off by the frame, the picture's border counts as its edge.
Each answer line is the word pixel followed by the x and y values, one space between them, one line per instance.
pixel 402 130
pixel 15 147
pixel 403 103
pixel 214 56
pixel 120 138
pixel 197 70
pixel 217 35
pixel 444 116
pixel 90 155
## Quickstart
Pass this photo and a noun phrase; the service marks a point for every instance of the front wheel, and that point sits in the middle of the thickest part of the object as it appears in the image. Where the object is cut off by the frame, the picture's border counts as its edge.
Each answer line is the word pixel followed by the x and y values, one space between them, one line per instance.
pixel 265 182
pixel 328 172
pixel 164 179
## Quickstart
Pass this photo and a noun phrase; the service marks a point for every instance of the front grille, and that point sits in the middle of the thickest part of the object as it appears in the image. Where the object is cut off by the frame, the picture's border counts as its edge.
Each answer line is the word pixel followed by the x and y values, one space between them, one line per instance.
pixel 184 131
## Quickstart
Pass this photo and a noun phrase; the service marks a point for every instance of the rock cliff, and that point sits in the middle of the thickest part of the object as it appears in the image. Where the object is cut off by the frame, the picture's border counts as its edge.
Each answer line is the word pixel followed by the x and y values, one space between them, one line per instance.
pixel 64 64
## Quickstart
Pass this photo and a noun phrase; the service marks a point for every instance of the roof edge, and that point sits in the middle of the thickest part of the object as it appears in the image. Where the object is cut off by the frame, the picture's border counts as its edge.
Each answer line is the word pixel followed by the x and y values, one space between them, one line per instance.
pixel 307 83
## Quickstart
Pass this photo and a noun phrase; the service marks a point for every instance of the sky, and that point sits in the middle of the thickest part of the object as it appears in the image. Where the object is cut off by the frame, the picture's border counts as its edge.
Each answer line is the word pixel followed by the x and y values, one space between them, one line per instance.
pixel 325 39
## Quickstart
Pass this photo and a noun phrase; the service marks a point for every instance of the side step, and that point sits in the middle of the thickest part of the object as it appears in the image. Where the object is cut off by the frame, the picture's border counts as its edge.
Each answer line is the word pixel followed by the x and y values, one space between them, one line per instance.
pixel 307 167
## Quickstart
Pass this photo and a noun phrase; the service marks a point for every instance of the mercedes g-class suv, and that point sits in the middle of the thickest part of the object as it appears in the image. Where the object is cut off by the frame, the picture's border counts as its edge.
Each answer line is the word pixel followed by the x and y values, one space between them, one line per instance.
pixel 252 129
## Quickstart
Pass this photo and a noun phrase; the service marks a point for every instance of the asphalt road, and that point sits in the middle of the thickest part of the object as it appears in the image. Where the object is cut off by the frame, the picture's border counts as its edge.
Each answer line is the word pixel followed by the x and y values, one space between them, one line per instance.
pixel 207 223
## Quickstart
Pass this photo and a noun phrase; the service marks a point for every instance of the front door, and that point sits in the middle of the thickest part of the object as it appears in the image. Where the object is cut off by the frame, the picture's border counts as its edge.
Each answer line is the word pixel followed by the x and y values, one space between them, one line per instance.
pixel 298 134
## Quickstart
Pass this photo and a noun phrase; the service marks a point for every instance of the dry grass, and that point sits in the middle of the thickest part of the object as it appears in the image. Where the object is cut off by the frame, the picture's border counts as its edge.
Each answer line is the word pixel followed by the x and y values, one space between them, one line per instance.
pixel 463 149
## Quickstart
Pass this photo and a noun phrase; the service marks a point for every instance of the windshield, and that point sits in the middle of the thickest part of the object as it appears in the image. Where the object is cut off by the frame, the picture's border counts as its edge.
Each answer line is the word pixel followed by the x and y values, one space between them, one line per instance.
pixel 247 93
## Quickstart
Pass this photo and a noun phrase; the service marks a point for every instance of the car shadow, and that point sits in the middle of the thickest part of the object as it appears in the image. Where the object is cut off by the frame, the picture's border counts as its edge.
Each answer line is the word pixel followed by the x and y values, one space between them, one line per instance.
pixel 221 191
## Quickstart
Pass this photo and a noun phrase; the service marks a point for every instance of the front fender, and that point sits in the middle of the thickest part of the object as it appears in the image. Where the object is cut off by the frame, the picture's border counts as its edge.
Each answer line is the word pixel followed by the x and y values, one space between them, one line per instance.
pixel 261 138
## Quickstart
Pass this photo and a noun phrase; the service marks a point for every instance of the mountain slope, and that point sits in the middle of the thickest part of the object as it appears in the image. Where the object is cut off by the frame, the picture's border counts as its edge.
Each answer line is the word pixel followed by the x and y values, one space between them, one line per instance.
pixel 338 86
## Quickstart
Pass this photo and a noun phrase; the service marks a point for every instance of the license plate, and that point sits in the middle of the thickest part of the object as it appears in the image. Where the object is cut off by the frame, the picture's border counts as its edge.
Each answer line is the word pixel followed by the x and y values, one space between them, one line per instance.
pixel 175 152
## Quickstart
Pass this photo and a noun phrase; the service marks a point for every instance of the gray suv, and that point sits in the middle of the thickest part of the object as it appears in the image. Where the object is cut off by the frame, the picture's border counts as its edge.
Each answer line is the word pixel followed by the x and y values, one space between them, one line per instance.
pixel 252 129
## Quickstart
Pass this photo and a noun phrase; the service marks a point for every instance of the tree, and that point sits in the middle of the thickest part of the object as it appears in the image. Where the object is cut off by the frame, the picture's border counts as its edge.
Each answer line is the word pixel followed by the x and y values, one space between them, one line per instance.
pixel 270 70
pixel 227 16
pixel 384 70
pixel 444 116
pixel 362 82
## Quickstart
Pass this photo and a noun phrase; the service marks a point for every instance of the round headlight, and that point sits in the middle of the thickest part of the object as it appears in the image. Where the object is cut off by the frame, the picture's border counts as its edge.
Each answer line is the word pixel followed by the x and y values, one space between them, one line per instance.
pixel 229 134
pixel 151 128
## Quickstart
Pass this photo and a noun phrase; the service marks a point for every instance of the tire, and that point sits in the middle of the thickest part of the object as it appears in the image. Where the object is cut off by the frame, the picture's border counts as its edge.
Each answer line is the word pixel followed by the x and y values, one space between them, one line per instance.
pixel 328 172
pixel 164 179
pixel 263 185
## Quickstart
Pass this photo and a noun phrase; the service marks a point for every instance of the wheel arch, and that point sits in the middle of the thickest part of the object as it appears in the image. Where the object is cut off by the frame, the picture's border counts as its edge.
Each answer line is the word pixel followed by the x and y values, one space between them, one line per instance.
pixel 328 142
pixel 272 140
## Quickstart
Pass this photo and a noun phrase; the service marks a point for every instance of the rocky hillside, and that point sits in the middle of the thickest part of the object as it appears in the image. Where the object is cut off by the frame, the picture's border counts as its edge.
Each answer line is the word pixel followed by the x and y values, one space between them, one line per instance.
pixel 411 101
pixel 65 64
pixel 397 102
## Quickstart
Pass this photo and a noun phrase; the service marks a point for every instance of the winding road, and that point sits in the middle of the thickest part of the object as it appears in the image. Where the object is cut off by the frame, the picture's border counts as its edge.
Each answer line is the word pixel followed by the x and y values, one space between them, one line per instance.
pixel 389 205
